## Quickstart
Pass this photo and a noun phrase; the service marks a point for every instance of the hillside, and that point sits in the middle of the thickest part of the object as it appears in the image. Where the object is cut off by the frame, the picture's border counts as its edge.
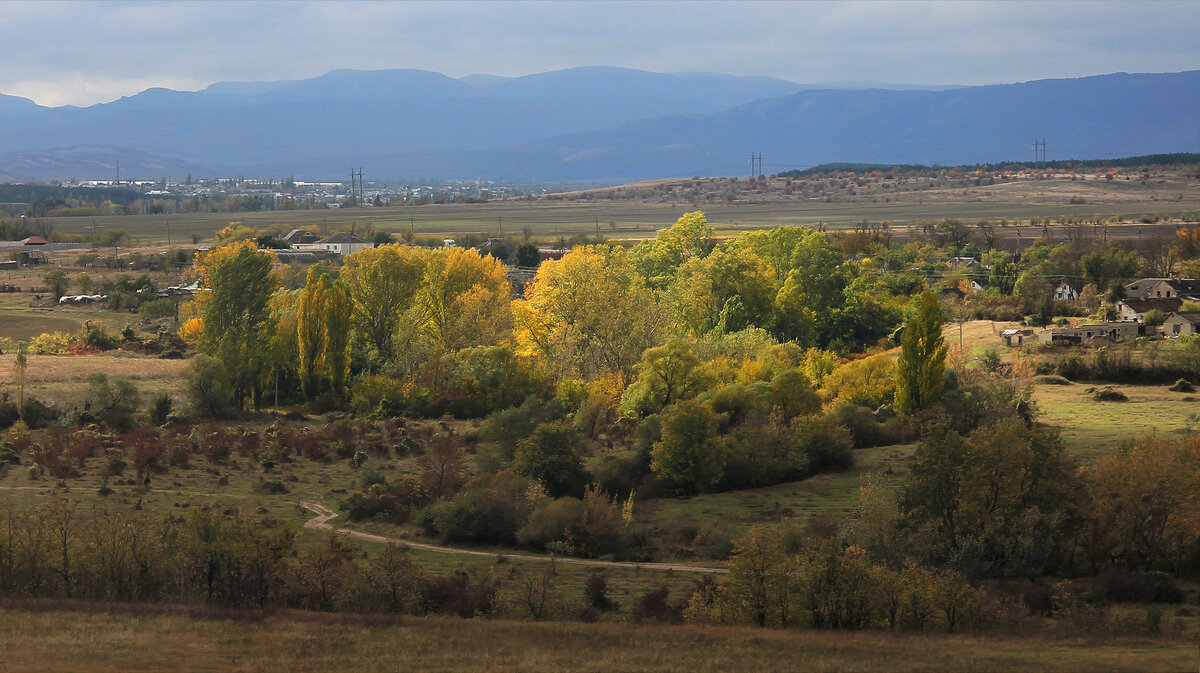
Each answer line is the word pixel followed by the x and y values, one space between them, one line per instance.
pixel 602 124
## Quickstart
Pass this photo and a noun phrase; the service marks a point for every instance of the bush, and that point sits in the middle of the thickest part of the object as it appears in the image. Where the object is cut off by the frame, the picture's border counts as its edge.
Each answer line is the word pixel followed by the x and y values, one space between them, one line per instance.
pixel 1182 386
pixel 159 409
pixel 1107 394
pixel 209 392
pixel 51 343
pixel 550 455
pixel 378 396
pixel 827 446
pixel 157 309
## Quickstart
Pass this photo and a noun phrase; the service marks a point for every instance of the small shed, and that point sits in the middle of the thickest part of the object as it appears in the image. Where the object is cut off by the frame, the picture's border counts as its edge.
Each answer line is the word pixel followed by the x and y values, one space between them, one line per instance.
pixel 1016 337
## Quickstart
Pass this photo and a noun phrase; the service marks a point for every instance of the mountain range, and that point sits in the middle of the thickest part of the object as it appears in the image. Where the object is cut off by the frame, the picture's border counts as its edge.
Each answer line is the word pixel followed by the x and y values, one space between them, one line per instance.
pixel 595 123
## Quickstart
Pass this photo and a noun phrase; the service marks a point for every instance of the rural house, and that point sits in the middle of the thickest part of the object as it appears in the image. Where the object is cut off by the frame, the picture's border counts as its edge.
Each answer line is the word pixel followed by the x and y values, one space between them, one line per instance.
pixel 1163 288
pixel 299 239
pixel 1181 323
pixel 1068 291
pixel 1136 309
pixel 343 243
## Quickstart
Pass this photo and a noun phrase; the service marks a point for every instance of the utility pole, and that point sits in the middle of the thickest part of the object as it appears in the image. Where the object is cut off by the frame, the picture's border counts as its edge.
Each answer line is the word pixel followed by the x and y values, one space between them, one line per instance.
pixel 755 170
pixel 412 223
pixel 1038 163
pixel 168 221
pixel 118 171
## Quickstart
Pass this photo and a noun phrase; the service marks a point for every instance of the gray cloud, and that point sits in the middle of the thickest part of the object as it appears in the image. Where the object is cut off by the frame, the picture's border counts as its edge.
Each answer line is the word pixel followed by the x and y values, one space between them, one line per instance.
pixel 81 53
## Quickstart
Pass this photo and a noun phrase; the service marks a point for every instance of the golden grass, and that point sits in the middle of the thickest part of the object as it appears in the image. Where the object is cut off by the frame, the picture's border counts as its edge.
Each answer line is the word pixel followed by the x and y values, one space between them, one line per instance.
pixel 41 636
pixel 62 379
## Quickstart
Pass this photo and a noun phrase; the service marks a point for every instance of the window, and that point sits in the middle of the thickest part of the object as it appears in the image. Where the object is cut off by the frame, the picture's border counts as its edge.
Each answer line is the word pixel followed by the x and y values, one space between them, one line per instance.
pixel 1175 328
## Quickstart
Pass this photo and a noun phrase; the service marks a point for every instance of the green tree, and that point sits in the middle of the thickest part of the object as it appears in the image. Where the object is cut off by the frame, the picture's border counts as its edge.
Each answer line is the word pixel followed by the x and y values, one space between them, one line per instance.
pixel 57 282
pixel 691 454
pixel 237 318
pixel 550 455
pixel 310 330
pixel 527 256
pixel 339 313
pixel 666 373
pixel 383 281
pixel 919 371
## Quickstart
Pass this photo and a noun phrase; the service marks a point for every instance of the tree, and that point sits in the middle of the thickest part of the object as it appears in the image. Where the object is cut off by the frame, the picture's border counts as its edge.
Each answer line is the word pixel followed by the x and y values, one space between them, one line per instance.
pixel 57 282
pixel 999 500
pixel 658 260
pixel 730 289
pixel 383 281
pixel 919 371
pixel 338 317
pixel 237 319
pixel 550 455
pixel 588 313
pixel 666 374
pixel 310 329
pixel 528 256
pixel 691 454
pixel 463 301
pixel 762 576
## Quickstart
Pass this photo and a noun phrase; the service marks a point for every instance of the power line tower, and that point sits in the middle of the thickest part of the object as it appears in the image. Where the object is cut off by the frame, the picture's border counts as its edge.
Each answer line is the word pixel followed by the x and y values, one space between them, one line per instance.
pixel 356 186
pixel 1036 145
pixel 755 172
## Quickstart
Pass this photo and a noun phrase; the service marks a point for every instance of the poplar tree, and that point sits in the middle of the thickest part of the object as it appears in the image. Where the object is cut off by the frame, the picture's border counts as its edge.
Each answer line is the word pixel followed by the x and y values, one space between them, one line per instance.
pixel 310 329
pixel 922 362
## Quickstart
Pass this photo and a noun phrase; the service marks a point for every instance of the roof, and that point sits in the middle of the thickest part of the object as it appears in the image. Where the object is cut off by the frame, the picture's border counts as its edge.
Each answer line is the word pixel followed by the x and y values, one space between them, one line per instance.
pixel 286 257
pixel 35 240
pixel 1188 316
pixel 343 237
pixel 300 236
pixel 1164 304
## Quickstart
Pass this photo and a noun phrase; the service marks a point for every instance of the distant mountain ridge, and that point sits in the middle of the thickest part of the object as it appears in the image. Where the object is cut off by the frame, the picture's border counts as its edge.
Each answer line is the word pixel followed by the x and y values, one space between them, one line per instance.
pixel 592 123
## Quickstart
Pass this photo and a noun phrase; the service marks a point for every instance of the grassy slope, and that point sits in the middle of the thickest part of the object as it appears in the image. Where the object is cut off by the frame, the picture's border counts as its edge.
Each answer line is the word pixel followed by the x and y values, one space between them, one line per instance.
pixel 129 639
pixel 1092 428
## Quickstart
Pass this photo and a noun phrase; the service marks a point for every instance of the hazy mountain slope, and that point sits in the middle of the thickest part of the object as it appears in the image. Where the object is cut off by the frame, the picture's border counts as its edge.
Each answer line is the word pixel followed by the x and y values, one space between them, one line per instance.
pixel 608 123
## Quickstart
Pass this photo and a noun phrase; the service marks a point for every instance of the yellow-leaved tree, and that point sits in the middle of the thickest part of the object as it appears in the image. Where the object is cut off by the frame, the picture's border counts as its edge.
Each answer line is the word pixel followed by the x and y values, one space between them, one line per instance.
pixel 589 313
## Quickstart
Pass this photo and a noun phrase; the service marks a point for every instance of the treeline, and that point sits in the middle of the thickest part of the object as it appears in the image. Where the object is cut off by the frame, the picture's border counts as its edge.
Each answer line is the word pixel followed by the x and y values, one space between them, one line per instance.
pixel 1168 159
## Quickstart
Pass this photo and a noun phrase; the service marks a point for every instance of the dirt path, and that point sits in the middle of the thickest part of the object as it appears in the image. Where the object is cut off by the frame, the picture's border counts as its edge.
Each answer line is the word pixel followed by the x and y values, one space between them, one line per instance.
pixel 325 515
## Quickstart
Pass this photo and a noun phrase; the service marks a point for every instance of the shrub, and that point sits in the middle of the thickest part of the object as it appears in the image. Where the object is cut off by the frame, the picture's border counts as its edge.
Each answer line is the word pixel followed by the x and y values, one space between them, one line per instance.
pixel 159 409
pixel 378 396
pixel 51 343
pixel 1182 386
pixel 827 446
pixel 1107 394
pixel 550 455
pixel 157 309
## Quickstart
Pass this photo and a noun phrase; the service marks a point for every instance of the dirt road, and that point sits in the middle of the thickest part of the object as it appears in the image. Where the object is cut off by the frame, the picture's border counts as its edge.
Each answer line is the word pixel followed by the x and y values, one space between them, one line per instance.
pixel 325 515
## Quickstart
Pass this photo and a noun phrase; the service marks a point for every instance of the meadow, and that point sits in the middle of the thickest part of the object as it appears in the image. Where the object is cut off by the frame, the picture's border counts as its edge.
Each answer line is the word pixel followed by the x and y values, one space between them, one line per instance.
pixel 49 636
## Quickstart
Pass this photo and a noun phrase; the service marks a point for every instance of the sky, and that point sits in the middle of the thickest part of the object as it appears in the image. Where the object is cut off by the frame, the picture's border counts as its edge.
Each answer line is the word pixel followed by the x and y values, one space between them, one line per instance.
pixel 80 53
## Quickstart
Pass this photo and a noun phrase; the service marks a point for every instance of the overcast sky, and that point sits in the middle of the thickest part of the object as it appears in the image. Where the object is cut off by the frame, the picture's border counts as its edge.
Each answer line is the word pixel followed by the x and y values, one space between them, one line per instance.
pixel 82 53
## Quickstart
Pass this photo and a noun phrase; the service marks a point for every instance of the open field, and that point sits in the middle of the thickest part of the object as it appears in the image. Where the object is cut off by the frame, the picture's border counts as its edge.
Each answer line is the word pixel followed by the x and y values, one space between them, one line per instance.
pixel 636 219
pixel 44 636
pixel 1092 429
pixel 61 380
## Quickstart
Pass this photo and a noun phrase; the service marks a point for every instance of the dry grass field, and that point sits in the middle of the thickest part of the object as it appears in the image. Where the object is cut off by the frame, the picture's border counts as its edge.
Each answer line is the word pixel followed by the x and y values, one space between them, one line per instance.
pixel 65 637
pixel 643 209
pixel 60 380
